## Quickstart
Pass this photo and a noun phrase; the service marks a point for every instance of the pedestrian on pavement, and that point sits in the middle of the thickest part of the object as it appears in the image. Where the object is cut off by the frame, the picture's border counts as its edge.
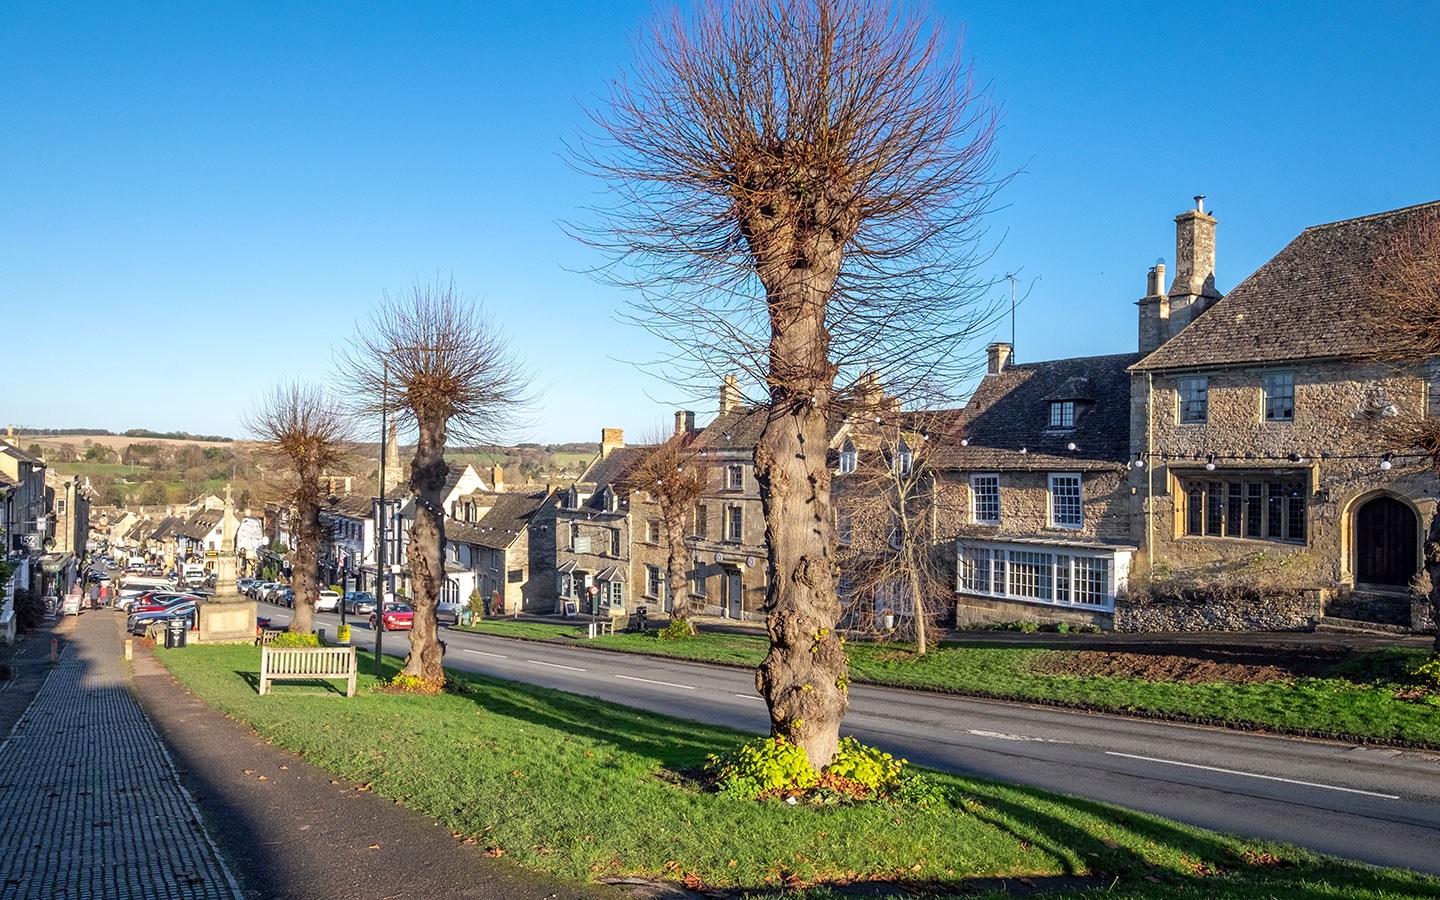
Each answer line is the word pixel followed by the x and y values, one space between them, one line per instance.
pixel 94 596
pixel 487 606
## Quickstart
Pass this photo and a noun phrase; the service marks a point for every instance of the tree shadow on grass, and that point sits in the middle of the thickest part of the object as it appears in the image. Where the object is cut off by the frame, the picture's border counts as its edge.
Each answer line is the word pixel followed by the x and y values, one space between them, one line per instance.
pixel 253 679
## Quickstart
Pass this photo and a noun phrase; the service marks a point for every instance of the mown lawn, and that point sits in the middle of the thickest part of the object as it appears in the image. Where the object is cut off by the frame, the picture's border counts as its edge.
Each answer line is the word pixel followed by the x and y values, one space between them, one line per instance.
pixel 1357 697
pixel 520 629
pixel 586 789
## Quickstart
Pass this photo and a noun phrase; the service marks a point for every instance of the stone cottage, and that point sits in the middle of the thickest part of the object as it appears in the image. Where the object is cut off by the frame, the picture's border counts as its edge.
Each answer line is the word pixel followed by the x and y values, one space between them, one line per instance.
pixel 1258 429
pixel 593 531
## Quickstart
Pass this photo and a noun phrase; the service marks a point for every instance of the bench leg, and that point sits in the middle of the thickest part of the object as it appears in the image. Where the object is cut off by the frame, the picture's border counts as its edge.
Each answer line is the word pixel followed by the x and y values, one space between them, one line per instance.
pixel 350 690
pixel 262 684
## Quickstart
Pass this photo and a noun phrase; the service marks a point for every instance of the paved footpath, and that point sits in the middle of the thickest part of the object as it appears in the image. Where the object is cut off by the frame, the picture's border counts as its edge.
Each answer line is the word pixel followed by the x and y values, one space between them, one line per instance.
pixel 90 805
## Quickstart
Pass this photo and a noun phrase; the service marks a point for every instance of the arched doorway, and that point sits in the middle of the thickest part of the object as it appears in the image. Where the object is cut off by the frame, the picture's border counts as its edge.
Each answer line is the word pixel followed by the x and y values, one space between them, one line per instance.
pixel 1386 537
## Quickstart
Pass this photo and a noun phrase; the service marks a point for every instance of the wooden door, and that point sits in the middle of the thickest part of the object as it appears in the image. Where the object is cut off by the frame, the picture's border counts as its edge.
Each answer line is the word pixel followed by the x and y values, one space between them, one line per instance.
pixel 733 593
pixel 1386 535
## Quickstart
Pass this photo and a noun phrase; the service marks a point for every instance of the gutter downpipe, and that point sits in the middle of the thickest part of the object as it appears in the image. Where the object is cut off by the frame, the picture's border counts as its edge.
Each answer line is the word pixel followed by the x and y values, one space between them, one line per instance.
pixel 1150 473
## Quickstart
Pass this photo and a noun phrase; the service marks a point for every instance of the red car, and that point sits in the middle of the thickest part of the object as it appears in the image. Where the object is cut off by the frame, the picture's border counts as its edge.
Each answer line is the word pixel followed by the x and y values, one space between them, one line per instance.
pixel 157 602
pixel 397 616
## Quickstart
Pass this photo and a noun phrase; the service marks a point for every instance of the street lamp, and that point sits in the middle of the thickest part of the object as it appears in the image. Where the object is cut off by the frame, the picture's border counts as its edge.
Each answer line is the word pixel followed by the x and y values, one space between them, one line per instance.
pixel 381 563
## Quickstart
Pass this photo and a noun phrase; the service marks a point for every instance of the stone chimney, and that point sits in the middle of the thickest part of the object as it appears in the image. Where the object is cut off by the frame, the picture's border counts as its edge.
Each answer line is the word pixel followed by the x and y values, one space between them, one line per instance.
pixel 611 439
pixel 998 355
pixel 497 478
pixel 393 473
pixel 684 421
pixel 1162 316
pixel 730 397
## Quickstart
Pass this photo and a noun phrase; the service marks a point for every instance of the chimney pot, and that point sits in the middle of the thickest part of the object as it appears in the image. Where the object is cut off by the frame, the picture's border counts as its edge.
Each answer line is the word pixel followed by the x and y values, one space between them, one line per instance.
pixel 1200 203
pixel 611 439
pixel 684 421
pixel 729 394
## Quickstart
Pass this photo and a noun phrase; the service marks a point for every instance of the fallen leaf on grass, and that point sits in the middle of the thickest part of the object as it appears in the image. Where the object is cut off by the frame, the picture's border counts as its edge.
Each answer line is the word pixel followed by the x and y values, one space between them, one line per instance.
pixel 1111 844
pixel 374 847
pixel 495 851
pixel 249 771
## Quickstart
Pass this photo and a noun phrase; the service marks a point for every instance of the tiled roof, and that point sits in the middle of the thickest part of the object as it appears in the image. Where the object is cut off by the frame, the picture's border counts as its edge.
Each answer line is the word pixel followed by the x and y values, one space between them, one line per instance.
pixel 166 528
pixel 7 481
pixel 740 429
pixel 12 450
pixel 352 506
pixel 1010 413
pixel 199 525
pixel 1309 301
pixel 612 469
pixel 501 525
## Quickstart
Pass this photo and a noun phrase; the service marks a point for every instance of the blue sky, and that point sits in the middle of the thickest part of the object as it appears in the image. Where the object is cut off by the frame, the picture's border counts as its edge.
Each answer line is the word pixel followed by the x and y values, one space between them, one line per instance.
pixel 199 198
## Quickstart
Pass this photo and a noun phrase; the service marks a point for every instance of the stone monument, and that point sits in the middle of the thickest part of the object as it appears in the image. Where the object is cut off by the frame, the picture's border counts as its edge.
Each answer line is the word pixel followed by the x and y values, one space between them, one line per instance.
pixel 225 616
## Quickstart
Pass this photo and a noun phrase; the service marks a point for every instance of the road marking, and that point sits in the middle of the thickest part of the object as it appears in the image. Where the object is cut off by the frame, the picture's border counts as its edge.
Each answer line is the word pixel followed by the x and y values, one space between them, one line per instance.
pixel 482 652
pixel 1328 787
pixel 1015 737
pixel 751 697
pixel 555 665
pixel 687 687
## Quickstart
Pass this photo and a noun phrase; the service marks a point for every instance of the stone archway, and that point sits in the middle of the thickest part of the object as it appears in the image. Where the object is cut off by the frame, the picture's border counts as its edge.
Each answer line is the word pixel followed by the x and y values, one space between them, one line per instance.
pixel 1386 541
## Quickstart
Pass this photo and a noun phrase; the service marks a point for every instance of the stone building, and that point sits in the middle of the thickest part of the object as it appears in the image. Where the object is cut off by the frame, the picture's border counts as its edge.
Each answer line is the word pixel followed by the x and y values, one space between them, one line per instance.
pixel 1033 477
pixel 499 549
pixel 1259 421
pixel 593 531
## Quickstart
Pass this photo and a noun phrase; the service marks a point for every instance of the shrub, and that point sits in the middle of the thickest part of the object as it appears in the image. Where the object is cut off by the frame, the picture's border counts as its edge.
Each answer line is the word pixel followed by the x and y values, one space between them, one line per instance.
pixel 1428 672
pixel 476 603
pixel 29 609
pixel 678 628
pixel 411 684
pixel 762 766
pixel 337 589
pixel 291 639
pixel 877 771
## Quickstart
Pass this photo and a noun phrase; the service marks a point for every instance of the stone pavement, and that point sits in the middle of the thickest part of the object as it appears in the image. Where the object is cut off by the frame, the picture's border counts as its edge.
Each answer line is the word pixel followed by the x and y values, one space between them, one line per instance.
pixel 90 805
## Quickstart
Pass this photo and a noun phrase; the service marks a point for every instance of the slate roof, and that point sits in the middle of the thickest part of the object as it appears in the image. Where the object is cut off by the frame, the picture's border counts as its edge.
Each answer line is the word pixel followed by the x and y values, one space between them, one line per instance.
pixel 611 470
pixel 740 429
pixel 1307 302
pixel 1011 411
pixel 501 525
pixel 351 506
pixel 12 450
pixel 199 525
pixel 166 528
pixel 7 481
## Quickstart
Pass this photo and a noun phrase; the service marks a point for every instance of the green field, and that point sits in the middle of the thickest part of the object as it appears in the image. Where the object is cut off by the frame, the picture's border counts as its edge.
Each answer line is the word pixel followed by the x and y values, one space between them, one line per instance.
pixel 584 789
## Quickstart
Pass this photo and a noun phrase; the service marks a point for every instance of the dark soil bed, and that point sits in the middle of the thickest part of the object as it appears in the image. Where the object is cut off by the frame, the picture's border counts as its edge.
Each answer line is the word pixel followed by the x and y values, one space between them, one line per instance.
pixel 1230 665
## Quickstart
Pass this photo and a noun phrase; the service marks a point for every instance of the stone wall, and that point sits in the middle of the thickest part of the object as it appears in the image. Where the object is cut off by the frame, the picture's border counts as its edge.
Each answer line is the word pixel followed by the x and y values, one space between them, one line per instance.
pixel 976 611
pixel 1340 409
pixel 1025 505
pixel 1421 621
pixel 1296 612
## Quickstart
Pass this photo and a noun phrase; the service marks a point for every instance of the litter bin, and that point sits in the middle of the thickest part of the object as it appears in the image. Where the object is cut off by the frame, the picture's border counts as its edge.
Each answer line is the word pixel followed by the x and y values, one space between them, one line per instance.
pixel 176 632
pixel 640 613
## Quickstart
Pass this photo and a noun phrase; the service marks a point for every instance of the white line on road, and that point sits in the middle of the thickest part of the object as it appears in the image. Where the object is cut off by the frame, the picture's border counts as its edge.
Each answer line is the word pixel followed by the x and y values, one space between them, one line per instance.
pixel 687 687
pixel 751 697
pixel 1015 737
pixel 1328 787
pixel 555 665
pixel 482 652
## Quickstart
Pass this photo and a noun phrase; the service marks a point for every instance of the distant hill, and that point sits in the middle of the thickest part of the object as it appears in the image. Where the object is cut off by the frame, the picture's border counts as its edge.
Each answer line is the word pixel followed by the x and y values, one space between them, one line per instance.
pixel 132 433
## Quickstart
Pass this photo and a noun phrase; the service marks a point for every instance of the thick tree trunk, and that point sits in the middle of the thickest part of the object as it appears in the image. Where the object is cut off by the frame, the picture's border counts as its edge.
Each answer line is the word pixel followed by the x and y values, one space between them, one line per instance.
pixel 305 576
pixel 1432 568
pixel 679 562
pixel 426 557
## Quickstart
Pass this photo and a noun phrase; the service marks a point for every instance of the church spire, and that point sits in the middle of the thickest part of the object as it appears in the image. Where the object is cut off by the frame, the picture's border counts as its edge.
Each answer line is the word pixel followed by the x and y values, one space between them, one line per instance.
pixel 392 462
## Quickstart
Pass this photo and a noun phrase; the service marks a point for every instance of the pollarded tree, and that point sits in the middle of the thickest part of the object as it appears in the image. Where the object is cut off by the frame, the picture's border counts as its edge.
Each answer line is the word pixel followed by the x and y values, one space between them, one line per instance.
pixel 798 190
pixel 306 435
pixel 674 476
pixel 433 359
pixel 1406 288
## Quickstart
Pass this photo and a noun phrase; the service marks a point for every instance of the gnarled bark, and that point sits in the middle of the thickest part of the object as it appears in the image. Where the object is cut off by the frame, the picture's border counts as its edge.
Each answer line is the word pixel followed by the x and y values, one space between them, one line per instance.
pixel 426 554
pixel 305 574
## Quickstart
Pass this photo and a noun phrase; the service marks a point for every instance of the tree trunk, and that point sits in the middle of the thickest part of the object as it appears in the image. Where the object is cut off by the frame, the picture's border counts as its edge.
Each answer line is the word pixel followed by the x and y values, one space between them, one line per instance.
pixel 1432 569
pixel 802 677
pixel 426 557
pixel 679 561
pixel 305 576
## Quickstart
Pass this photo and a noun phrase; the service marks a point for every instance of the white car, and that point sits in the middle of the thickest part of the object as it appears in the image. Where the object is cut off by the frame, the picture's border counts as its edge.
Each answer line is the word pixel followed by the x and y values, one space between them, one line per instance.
pixel 327 601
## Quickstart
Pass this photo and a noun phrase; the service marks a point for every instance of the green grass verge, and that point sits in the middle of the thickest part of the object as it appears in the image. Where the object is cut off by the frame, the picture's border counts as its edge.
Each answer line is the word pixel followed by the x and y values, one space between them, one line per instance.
pixel 519 629
pixel 1356 697
pixel 584 789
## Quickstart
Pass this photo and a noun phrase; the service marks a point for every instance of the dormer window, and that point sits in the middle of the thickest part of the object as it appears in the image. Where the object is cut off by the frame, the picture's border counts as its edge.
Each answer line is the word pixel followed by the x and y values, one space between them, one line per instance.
pixel 903 458
pixel 848 458
pixel 609 502
pixel 1062 414
pixel 572 499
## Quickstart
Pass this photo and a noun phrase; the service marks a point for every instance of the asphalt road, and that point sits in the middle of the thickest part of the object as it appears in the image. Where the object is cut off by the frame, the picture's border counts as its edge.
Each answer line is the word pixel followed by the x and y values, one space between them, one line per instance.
pixel 1376 805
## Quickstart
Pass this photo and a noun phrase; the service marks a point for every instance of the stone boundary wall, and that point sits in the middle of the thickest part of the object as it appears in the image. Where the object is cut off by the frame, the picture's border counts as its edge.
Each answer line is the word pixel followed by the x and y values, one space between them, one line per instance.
pixel 1420 621
pixel 1297 612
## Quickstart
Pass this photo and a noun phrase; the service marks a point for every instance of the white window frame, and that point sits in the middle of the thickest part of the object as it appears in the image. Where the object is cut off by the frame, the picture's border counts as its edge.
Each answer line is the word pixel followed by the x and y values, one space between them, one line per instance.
pixel 653 585
pixel 1202 398
pixel 1067 478
pixel 1266 397
pixel 735 477
pixel 848 458
pixel 1047 575
pixel 735 524
pixel 975 483
pixel 1058 415
pixel 699 581
pixel 904 458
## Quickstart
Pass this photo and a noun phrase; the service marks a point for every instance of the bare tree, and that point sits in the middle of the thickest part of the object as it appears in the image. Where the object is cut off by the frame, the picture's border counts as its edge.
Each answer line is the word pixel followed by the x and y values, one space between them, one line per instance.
pixel 306 435
pixel 1406 289
pixel 799 186
pixel 436 361
pixel 673 475
pixel 892 512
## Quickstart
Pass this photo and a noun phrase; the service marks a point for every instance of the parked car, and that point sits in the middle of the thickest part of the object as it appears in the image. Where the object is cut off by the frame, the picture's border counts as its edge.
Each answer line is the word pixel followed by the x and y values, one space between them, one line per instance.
pixel 242 585
pixel 359 603
pixel 327 601
pixel 138 622
pixel 448 612
pixel 162 601
pixel 285 597
pixel 398 616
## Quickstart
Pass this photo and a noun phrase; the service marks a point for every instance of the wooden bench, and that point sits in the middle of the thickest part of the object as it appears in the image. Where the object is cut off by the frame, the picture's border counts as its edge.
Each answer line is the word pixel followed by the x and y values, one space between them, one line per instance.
pixel 264 636
pixel 610 625
pixel 306 663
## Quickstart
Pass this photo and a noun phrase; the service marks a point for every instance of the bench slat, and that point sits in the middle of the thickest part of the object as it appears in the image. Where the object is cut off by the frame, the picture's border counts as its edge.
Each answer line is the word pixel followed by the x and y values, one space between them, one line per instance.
pixel 307 662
